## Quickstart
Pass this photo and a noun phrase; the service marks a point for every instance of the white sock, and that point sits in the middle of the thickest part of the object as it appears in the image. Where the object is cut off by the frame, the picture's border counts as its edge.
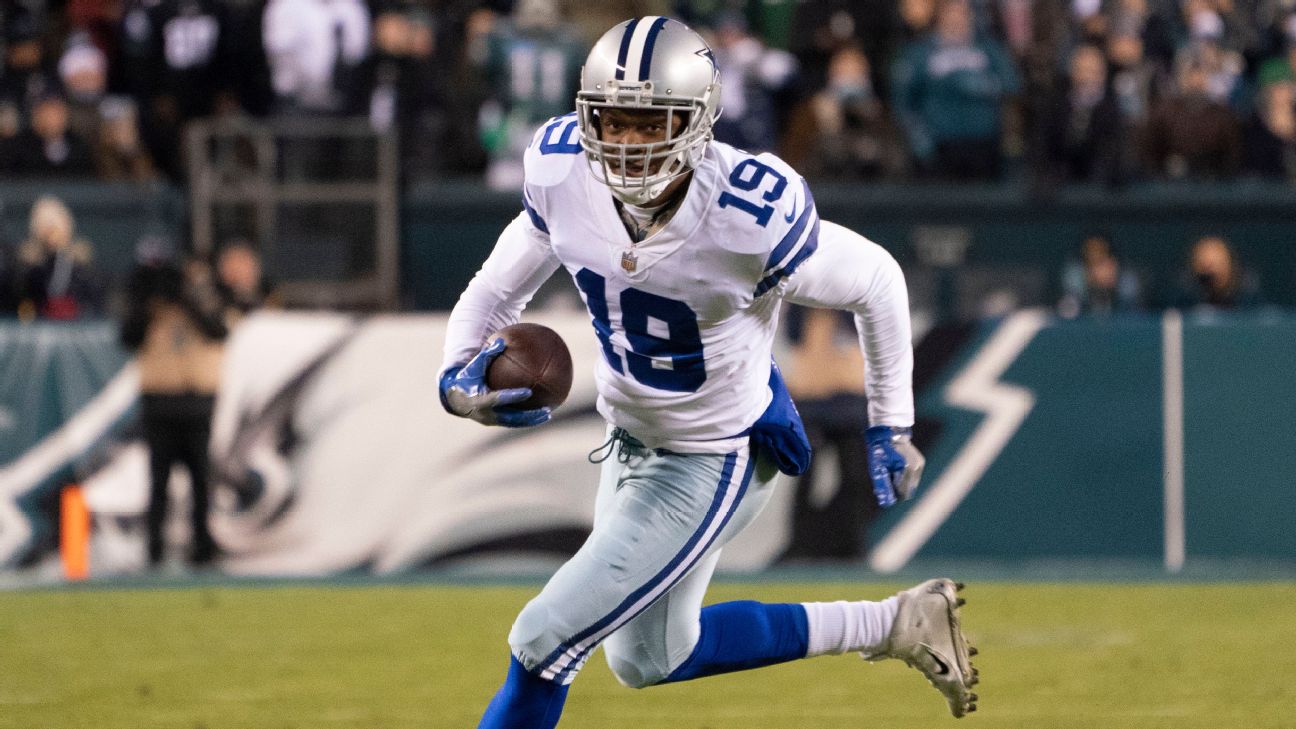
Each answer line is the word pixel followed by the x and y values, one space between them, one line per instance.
pixel 840 627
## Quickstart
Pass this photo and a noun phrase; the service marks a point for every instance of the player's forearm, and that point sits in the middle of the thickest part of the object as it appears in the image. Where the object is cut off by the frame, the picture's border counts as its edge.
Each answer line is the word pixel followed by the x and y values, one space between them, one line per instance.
pixel 495 298
pixel 886 336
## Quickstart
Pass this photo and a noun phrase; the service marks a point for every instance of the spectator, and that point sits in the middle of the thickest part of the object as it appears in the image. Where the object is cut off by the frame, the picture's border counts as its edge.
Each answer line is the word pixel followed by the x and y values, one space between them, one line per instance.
pixel 239 279
pixel 1188 134
pixel 10 123
pixel 826 378
pixel 752 76
pixel 460 33
pixel 175 325
pixel 1135 79
pixel 1098 283
pixel 1215 279
pixel 1152 28
pixel 190 52
pixel 1090 25
pixel 404 93
pixel 843 131
pixel 1082 125
pixel 119 150
pixel 48 148
pixel 97 20
pixel 314 48
pixel 532 62
pixel 1019 20
pixel 56 276
pixel 1223 65
pixel 1276 22
pixel 819 28
pixel 1223 21
pixel 246 74
pixel 949 89
pixel 1270 135
pixel 83 71
pixel 1289 40
pixel 916 19
pixel 174 63
pixel 26 71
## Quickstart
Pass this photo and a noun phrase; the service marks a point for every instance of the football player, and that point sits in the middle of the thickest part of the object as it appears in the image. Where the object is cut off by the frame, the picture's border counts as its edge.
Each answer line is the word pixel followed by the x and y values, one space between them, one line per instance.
pixel 683 249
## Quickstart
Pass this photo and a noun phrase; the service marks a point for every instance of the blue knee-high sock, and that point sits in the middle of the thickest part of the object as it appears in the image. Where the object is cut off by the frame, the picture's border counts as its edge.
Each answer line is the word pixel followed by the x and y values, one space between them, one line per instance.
pixel 737 636
pixel 525 701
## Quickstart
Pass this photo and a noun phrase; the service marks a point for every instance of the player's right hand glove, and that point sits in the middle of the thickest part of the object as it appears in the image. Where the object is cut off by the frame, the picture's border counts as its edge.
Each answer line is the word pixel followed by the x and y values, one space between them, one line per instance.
pixel 895 465
pixel 779 431
pixel 464 393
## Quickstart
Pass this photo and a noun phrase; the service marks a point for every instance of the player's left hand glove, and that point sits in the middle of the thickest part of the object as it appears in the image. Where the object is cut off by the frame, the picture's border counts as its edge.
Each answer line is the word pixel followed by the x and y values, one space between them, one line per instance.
pixel 464 393
pixel 895 465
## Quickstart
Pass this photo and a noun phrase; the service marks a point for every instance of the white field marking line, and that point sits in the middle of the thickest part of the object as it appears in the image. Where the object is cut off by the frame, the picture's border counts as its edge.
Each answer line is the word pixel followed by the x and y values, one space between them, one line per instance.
pixel 73 437
pixel 1176 547
pixel 1005 406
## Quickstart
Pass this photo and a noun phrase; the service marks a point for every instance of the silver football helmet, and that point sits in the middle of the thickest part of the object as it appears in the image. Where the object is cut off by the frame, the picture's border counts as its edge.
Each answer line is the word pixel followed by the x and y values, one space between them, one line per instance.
pixel 651 63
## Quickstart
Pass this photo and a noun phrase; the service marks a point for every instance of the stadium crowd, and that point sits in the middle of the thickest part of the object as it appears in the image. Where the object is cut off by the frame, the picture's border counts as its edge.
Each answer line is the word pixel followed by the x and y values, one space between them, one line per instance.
pixel 1048 92
pixel 1063 90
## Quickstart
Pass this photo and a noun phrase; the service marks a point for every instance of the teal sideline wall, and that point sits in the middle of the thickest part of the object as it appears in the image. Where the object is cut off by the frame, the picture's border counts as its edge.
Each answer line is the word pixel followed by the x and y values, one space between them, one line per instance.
pixel 1083 476
pixel 112 216
pixel 1240 434
pixel 449 228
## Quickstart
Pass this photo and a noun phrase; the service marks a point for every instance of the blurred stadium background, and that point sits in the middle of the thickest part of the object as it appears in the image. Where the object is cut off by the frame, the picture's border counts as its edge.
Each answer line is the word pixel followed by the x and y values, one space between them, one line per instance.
pixel 1093 202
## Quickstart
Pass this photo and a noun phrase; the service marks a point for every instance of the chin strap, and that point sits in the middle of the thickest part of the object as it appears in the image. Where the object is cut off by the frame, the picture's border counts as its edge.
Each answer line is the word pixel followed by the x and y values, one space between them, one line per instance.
pixel 637 196
pixel 658 220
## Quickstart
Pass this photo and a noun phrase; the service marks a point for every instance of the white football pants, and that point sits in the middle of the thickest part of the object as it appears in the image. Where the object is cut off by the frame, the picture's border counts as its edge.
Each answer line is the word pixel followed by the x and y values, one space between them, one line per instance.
pixel 637 583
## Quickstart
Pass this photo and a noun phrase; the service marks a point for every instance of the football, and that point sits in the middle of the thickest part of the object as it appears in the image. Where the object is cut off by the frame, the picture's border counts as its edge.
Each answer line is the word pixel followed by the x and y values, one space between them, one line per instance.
pixel 536 357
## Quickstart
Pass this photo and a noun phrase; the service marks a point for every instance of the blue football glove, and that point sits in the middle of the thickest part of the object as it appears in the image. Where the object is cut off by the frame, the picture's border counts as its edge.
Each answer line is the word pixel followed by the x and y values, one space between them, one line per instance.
pixel 895 465
pixel 464 393
pixel 779 431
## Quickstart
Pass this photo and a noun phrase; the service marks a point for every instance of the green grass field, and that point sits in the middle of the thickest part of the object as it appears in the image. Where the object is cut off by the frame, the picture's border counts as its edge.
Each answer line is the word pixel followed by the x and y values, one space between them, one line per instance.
pixel 377 656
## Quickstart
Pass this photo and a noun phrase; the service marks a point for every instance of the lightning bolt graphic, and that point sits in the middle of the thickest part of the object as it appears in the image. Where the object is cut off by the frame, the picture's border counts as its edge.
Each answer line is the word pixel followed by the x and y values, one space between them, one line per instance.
pixel 73 438
pixel 1005 406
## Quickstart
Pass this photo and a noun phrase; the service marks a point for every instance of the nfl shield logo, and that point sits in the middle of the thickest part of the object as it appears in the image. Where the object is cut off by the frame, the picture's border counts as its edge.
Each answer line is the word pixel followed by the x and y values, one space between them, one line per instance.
pixel 629 261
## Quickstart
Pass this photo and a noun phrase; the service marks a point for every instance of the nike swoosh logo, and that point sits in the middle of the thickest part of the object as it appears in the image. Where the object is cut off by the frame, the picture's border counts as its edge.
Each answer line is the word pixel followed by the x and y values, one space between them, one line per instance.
pixel 790 215
pixel 944 668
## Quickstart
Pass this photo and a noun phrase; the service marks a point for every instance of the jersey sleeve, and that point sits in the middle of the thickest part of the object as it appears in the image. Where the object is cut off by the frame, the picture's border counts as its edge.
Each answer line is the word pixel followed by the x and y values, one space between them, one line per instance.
pixel 521 261
pixel 523 258
pixel 555 148
pixel 793 226
pixel 851 273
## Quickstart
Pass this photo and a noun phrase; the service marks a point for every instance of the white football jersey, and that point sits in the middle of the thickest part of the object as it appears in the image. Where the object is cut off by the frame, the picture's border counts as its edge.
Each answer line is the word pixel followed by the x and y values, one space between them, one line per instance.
pixel 685 331
pixel 686 318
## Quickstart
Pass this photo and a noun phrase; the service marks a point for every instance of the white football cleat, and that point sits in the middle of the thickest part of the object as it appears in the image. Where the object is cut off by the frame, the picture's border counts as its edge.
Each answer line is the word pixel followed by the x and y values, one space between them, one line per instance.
pixel 927 636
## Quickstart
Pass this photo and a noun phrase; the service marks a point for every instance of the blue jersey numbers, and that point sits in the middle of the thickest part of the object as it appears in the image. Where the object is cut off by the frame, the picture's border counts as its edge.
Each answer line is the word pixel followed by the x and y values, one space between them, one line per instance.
pixel 752 176
pixel 560 136
pixel 675 338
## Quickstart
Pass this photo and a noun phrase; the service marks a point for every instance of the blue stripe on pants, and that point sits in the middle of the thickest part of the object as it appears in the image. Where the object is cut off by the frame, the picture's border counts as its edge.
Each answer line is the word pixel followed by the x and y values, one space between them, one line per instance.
pixel 711 526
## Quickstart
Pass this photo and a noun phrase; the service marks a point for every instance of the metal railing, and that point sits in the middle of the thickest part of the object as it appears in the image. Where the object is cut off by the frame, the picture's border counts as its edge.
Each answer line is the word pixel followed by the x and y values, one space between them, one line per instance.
pixel 318 197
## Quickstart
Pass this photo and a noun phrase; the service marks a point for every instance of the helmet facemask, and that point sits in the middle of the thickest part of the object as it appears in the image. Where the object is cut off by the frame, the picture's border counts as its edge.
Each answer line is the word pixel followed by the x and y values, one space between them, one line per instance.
pixel 659 163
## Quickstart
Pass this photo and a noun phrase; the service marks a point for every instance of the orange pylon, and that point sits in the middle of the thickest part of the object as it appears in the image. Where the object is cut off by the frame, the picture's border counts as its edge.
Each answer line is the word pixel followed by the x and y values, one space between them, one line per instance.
pixel 74 533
